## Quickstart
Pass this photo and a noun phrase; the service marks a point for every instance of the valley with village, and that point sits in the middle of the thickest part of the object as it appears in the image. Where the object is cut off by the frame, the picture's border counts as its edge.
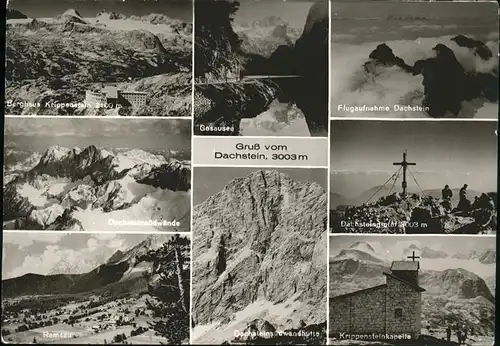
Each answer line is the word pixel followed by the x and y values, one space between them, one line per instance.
pixel 78 319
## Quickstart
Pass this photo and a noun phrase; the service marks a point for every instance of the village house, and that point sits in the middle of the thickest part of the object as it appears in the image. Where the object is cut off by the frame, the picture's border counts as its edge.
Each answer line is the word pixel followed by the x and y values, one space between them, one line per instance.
pixel 389 310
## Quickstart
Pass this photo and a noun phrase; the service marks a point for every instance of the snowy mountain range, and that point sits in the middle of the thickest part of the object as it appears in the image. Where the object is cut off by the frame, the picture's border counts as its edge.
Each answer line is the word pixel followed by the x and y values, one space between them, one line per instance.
pixel 371 252
pixel 124 270
pixel 83 189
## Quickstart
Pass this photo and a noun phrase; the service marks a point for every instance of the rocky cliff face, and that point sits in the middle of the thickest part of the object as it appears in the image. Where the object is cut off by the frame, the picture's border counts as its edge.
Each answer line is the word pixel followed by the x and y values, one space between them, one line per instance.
pixel 458 283
pixel 67 184
pixel 273 249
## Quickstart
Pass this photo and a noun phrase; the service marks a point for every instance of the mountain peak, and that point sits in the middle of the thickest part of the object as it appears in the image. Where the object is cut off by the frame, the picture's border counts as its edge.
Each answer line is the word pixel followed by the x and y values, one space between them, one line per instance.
pixel 281 229
pixel 362 246
pixel 54 153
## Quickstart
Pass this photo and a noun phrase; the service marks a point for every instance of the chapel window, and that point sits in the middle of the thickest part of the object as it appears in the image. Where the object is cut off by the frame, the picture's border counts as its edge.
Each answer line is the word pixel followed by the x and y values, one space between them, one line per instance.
pixel 398 313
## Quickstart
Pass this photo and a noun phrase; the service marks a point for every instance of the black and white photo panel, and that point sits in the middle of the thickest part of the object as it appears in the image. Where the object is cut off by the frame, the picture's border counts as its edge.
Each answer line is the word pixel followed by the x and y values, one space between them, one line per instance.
pixel 95 288
pixel 414 59
pixel 97 174
pixel 259 256
pixel 261 68
pixel 413 177
pixel 99 58
pixel 412 290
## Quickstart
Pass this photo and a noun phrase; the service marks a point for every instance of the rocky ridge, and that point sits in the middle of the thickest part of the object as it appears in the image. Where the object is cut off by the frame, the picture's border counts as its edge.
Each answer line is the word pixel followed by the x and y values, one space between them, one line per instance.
pixel 416 214
pixel 446 82
pixel 67 181
pixel 270 252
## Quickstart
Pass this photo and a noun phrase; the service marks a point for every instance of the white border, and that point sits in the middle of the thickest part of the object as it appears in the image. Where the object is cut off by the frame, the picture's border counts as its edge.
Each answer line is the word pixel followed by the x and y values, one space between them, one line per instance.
pixel 412 235
pixel 328 175
pixel 191 218
pixel 95 117
pixel 236 138
pixel 92 232
pixel 261 167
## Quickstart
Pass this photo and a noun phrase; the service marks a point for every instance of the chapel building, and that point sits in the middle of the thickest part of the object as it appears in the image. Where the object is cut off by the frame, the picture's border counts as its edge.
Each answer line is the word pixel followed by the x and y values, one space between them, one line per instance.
pixel 393 308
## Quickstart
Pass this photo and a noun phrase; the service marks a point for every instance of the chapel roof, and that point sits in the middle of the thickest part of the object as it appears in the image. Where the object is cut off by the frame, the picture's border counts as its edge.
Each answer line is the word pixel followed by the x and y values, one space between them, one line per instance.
pixel 374 288
pixel 405 265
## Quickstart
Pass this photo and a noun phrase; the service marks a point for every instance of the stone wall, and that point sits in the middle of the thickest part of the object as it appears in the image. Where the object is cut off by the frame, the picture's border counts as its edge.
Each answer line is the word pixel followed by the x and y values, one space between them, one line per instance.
pixel 404 297
pixel 360 313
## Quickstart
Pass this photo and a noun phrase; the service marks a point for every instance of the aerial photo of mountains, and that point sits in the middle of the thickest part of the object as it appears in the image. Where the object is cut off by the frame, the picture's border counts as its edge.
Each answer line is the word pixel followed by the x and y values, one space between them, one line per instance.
pixel 82 288
pixel 259 275
pixel 366 177
pixel 99 58
pixel 89 174
pixel 261 68
pixel 419 59
pixel 457 273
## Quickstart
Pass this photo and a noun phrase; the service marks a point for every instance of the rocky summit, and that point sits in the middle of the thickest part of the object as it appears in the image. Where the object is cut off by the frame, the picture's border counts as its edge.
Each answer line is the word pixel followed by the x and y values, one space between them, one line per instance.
pixel 270 255
pixel 55 61
pixel 446 82
pixel 416 214
pixel 83 188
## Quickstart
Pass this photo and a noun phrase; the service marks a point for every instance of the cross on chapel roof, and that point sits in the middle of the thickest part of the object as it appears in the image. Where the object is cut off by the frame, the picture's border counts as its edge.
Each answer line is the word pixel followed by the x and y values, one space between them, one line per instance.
pixel 413 257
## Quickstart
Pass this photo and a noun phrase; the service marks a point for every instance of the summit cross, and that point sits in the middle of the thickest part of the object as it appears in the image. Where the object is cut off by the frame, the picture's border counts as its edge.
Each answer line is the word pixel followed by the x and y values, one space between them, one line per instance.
pixel 405 165
pixel 413 257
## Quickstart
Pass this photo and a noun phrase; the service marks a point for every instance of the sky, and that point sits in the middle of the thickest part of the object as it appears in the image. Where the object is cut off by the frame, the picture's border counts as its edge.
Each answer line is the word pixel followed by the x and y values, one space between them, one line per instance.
pixel 293 12
pixel 179 9
pixel 362 153
pixel 396 248
pixel 439 9
pixel 61 253
pixel 207 181
pixel 38 134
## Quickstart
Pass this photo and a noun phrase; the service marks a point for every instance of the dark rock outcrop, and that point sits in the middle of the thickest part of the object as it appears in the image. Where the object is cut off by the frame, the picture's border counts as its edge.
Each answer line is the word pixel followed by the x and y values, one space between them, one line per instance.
pixel 308 58
pixel 217 104
pixel 14 14
pixel 171 176
pixel 480 49
pixel 446 83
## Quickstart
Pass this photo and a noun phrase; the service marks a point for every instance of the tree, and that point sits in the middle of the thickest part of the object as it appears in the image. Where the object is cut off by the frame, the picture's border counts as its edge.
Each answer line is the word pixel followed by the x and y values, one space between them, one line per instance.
pixel 217 45
pixel 173 263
